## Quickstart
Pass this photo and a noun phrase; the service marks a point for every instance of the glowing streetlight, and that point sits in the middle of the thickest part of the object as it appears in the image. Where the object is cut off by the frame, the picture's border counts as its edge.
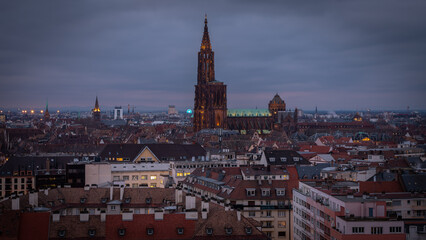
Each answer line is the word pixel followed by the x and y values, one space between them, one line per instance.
pixel 57 111
pixel 41 111
pixel 32 111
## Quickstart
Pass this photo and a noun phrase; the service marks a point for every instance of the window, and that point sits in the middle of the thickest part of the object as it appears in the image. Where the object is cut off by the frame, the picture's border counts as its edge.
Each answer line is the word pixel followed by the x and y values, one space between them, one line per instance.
pixel 249 230
pixel 153 185
pixel 144 177
pixel 116 178
pixel 112 207
pixel 91 232
pixel 268 213
pixel 419 202
pixel 228 230
pixel 252 213
pixel 266 192
pixel 127 200
pixel 395 229
pixel 187 173
pixel 377 230
pixel 148 200
pixel 282 224
pixel 280 191
pixel 61 233
pixel 125 178
pixel 134 185
pixel 150 231
pixel 396 203
pixel 358 230
pixel 370 212
pixel 209 231
pixel 179 174
pixel 272 159
pixel 134 177
pixel 121 231
pixel 82 200
pixel 283 159
pixel 296 159
pixel 154 177
pixel 251 191
pixel 281 234
pixel 180 231
pixel 281 213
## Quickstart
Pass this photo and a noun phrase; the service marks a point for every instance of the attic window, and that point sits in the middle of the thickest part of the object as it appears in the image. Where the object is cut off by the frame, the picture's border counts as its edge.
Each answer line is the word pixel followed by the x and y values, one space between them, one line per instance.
pixel 272 159
pixel 82 200
pixel 61 233
pixel 127 200
pixel 180 231
pixel 61 200
pixel 280 191
pixel 121 231
pixel 91 232
pixel 296 159
pixel 283 159
pixel 251 192
pixel 148 200
pixel 150 231
pixel 228 230
pixel 249 230
pixel 266 192
pixel 104 200
pixel 209 231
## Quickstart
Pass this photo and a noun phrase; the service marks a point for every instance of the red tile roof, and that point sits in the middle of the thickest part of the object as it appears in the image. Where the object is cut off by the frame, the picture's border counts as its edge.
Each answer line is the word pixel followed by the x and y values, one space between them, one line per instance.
pixel 34 225
pixel 378 187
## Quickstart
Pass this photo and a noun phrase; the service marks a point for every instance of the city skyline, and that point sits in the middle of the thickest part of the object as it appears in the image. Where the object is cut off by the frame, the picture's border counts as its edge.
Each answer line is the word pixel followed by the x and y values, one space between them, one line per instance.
pixel 335 55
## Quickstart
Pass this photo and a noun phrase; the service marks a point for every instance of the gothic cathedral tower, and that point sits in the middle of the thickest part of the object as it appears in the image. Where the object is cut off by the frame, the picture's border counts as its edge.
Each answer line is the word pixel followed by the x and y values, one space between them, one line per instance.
pixel 210 109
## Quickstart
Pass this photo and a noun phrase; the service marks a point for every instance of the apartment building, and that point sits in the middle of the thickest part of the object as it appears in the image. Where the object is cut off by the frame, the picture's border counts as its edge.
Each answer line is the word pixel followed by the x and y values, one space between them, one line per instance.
pixel 335 210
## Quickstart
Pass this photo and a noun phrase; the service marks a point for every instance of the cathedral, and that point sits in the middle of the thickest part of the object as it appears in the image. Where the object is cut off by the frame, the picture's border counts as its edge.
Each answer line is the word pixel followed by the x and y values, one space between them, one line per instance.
pixel 210 106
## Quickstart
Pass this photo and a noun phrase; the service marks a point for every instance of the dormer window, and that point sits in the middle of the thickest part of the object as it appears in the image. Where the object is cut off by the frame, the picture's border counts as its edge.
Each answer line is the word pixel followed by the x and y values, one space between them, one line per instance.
pixel 148 200
pixel 266 192
pixel 150 231
pixel 121 232
pixel 209 231
pixel 283 159
pixel 61 233
pixel 91 232
pixel 228 230
pixel 251 192
pixel 82 200
pixel 61 200
pixel 104 200
pixel 249 230
pixel 296 159
pixel 127 200
pixel 280 191
pixel 179 231
pixel 272 159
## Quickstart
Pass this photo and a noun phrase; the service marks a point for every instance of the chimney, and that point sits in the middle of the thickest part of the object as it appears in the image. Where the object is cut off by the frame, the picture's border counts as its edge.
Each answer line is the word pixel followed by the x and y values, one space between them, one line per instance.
pixel 190 202
pixel 270 181
pixel 227 207
pixel 111 191
pixel 86 187
pixel 15 203
pixel 191 214
pixel 159 214
pixel 259 181
pixel 239 215
pixel 103 216
pixel 56 217
pixel 46 191
pixel 127 216
pixel 178 195
pixel 33 199
pixel 84 216
pixel 205 205
pixel 121 192
pixel 204 214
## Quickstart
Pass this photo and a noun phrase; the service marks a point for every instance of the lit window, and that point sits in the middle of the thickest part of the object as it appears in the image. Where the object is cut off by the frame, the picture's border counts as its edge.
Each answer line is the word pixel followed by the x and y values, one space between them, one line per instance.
pixel 179 174
pixel 153 177
pixel 187 173
pixel 144 177
pixel 282 224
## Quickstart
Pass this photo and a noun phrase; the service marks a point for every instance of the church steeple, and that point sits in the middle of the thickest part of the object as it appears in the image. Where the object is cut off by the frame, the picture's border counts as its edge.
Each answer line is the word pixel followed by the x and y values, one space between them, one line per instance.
pixel 96 111
pixel 205 58
pixel 46 112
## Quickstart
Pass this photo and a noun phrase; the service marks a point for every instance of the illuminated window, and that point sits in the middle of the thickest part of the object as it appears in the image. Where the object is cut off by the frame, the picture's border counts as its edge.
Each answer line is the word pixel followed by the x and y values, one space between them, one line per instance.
pixel 153 177
pixel 187 173
pixel 282 224
pixel 144 177
pixel 153 185
pixel 179 174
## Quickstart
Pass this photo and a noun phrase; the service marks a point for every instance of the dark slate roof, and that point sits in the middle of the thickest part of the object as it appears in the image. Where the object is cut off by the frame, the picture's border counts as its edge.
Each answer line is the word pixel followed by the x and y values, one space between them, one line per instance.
pixel 311 172
pixel 288 154
pixel 160 150
pixel 34 164
pixel 383 177
pixel 414 182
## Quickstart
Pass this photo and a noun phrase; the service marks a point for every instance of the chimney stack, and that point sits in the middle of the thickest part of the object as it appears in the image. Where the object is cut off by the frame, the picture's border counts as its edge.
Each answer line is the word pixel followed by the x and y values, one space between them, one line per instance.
pixel 121 192
pixel 111 192
pixel 159 214
pixel 239 215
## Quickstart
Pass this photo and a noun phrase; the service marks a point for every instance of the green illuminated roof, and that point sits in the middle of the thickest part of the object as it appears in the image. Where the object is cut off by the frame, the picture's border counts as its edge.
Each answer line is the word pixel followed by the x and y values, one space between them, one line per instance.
pixel 248 113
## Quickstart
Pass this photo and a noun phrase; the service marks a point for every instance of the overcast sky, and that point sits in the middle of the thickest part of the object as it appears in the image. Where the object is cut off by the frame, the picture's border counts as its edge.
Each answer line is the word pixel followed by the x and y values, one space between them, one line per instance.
pixel 336 55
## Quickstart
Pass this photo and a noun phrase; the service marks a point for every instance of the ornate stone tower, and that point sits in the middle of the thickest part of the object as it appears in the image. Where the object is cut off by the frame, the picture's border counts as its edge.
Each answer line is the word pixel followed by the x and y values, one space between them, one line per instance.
pixel 210 95
pixel 276 105
pixel 96 111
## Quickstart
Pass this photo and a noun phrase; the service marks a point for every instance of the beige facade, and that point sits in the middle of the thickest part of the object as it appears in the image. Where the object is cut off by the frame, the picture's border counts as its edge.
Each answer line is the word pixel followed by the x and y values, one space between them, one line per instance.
pixel 146 156
pixel 22 182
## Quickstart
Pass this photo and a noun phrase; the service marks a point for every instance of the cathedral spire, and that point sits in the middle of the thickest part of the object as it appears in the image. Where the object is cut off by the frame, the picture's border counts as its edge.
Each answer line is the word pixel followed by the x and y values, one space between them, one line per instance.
pixel 96 103
pixel 205 44
pixel 96 111
pixel 46 112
